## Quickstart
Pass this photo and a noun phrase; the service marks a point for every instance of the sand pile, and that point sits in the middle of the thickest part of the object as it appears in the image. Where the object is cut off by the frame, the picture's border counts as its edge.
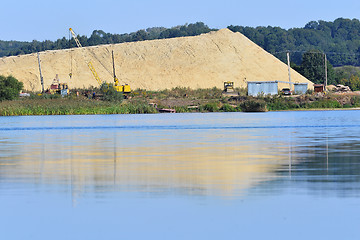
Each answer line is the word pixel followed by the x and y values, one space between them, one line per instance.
pixel 203 61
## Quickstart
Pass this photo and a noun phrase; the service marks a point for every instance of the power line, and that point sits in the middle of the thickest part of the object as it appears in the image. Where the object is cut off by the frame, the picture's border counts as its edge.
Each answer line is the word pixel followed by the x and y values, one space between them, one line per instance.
pixel 327 53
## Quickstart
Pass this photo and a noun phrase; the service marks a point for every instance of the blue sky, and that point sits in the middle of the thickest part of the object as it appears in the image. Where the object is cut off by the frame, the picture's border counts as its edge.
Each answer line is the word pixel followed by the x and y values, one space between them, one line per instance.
pixel 25 20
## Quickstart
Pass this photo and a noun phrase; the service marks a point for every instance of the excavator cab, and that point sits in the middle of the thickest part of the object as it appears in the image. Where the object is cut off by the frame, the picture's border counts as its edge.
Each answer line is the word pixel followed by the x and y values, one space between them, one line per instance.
pixel 228 86
pixel 123 88
pixel 126 88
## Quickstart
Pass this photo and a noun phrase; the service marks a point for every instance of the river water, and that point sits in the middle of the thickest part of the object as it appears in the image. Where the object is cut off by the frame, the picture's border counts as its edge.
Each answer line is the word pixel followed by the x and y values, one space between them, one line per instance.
pixel 275 175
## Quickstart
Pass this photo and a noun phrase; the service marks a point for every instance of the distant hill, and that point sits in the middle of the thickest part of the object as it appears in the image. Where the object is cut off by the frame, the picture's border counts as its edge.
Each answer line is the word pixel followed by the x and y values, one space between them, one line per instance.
pixel 340 40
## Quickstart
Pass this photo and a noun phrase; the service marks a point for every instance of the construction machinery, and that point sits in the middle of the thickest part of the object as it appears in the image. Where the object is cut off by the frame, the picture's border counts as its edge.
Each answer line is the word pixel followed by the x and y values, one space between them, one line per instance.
pixel 41 76
pixel 228 87
pixel 57 87
pixel 120 88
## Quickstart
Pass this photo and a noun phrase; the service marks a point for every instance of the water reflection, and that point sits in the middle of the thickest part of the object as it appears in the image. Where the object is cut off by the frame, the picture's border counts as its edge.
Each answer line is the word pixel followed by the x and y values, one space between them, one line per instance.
pixel 225 158
pixel 327 169
pixel 144 176
pixel 192 162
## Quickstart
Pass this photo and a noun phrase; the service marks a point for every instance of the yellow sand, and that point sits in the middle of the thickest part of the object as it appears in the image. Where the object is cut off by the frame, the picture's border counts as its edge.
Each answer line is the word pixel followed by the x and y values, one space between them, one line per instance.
pixel 203 61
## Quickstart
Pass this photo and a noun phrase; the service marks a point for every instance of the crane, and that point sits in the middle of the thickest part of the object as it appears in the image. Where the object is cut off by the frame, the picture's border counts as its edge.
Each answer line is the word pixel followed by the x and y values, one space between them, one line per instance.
pixel 120 88
pixel 41 76
pixel 89 63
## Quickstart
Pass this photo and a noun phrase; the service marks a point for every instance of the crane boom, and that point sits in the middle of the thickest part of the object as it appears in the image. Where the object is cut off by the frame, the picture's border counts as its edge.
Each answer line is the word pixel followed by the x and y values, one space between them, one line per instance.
pixel 41 76
pixel 116 80
pixel 120 88
pixel 89 63
pixel 75 38
pixel 96 76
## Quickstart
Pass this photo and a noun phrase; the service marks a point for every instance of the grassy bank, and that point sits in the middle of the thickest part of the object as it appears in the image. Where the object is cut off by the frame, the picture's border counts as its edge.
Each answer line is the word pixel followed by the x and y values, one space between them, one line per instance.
pixel 213 100
pixel 69 106
pixel 180 99
pixel 317 101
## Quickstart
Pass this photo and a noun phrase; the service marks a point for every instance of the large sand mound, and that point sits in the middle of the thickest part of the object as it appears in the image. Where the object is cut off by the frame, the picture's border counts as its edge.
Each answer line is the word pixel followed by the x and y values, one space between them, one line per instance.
pixel 203 61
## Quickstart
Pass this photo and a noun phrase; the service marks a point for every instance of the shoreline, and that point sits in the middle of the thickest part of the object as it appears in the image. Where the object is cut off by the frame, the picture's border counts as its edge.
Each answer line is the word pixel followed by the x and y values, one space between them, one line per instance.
pixel 140 109
pixel 317 109
pixel 177 100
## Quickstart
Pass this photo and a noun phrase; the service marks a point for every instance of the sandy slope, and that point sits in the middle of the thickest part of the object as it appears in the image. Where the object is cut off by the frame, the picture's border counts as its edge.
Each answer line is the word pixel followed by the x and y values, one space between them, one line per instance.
pixel 203 61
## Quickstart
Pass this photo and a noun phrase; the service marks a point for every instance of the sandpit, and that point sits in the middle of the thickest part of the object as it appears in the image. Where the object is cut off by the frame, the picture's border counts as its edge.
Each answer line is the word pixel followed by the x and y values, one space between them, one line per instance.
pixel 203 61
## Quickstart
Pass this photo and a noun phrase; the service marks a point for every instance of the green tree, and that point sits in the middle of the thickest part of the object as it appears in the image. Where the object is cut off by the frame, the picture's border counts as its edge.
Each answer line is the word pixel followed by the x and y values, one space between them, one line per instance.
pixel 140 35
pixel 10 88
pixel 355 83
pixel 343 74
pixel 313 67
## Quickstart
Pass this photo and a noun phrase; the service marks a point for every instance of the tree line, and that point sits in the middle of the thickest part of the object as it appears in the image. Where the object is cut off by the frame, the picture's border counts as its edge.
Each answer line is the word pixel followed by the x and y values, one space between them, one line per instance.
pixel 313 67
pixel 99 37
pixel 340 40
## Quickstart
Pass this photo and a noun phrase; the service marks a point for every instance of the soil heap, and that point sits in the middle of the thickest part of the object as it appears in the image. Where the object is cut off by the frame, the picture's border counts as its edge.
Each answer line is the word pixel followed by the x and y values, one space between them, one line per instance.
pixel 203 61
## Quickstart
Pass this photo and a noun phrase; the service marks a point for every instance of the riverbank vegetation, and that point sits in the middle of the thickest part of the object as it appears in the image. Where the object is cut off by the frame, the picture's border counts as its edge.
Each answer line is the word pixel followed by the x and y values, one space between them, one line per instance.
pixel 70 106
pixel 106 100
pixel 180 99
pixel 213 100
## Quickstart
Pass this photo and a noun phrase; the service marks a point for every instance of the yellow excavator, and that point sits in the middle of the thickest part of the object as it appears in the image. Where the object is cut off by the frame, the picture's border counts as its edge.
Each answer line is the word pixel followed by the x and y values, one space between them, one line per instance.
pixel 228 87
pixel 120 88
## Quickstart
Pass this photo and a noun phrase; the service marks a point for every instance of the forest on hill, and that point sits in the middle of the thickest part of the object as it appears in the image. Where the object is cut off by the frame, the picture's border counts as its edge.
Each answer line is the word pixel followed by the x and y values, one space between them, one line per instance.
pixel 340 40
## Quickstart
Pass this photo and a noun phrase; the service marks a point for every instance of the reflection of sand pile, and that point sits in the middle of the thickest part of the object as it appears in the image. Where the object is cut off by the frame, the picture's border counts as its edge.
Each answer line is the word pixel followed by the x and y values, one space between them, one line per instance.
pixel 218 169
pixel 203 61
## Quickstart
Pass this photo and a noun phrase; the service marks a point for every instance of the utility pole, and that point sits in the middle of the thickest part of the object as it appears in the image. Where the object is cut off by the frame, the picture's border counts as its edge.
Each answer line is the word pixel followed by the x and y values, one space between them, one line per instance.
pixel 288 61
pixel 115 78
pixel 41 77
pixel 326 80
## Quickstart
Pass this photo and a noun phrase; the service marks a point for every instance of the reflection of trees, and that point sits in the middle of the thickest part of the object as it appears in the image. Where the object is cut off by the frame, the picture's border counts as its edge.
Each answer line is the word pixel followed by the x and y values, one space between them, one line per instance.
pixel 326 169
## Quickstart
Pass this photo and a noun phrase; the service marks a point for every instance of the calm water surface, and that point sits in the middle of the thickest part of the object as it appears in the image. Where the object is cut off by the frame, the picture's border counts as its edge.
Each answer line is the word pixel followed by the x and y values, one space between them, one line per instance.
pixel 277 175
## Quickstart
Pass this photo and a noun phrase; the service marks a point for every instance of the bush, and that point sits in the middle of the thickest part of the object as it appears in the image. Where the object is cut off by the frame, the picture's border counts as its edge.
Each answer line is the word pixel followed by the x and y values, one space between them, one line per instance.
pixel 110 94
pixel 281 103
pixel 253 105
pixel 182 109
pixel 227 108
pixel 44 96
pixel 210 107
pixel 10 88
pixel 324 104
